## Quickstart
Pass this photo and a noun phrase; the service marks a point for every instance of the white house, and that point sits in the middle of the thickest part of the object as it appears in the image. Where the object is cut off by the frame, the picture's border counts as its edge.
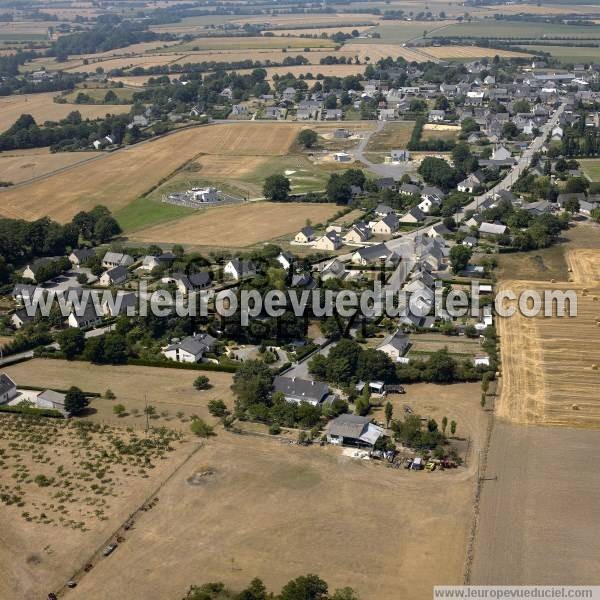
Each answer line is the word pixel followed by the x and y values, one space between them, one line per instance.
pixel 305 235
pixel 501 153
pixel 8 388
pixel 80 256
pixel 395 345
pixel 88 318
pixel 190 349
pixel 387 225
pixel 285 259
pixel 299 390
pixel 114 276
pixel 357 234
pixel 116 259
pixel 492 229
pixel 414 215
pixel 329 242
pixel 238 269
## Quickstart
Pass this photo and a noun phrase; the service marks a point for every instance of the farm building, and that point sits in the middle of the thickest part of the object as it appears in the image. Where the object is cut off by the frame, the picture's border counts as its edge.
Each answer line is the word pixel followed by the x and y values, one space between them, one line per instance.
pixel 353 430
pixel 52 400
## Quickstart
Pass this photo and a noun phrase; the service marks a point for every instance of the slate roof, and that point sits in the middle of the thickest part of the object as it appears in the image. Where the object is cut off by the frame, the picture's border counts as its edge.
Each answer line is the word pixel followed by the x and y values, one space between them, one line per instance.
pixel 301 389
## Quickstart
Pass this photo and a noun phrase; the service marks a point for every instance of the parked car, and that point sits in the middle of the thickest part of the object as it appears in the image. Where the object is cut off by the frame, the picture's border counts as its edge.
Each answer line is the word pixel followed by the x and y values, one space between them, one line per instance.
pixel 109 549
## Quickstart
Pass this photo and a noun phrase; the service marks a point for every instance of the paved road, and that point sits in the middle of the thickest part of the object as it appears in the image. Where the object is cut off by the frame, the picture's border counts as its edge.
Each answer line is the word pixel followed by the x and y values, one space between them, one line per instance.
pixel 522 164
pixel 380 169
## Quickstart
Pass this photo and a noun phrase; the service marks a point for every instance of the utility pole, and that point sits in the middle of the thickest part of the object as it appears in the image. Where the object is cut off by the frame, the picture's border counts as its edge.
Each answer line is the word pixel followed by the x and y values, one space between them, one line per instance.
pixel 146 411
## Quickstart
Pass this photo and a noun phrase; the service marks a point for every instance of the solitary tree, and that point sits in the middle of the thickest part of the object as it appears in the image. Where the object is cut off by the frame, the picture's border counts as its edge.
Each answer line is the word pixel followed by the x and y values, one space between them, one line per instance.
pixel 459 257
pixel 444 424
pixel 276 188
pixel 201 428
pixel 75 401
pixel 201 382
pixel 452 427
pixel 307 138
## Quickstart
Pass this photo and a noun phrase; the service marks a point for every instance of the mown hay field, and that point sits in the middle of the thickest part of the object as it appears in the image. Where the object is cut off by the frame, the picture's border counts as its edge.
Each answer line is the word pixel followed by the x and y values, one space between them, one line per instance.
pixel 241 43
pixel 470 52
pixel 551 365
pixel 122 176
pixel 237 226
pixel 146 61
pixel 20 165
pixel 42 108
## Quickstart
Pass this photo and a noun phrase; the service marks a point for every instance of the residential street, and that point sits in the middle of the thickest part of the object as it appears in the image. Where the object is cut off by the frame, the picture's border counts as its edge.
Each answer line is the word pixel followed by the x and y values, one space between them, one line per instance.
pixel 522 164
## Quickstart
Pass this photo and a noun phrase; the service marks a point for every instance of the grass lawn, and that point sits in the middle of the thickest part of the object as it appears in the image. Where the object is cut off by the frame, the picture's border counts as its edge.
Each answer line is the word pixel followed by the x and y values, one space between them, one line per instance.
pixel 145 211
pixel 395 135
pixel 591 168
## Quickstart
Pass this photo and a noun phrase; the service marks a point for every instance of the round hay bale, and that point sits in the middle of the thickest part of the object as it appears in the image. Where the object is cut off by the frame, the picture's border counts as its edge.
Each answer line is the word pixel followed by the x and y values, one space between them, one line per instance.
pixel 575 406
pixel 553 281
pixel 585 291
pixel 595 367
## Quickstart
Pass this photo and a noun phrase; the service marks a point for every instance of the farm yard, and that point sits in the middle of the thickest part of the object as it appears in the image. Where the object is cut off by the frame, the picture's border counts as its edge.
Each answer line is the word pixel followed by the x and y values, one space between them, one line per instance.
pixel 249 224
pixel 42 108
pixel 118 178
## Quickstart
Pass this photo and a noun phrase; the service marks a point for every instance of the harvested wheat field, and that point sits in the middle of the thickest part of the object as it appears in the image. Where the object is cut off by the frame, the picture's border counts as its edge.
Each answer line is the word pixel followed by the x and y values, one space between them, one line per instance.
pixel 122 176
pixel 551 365
pixel 237 226
pixel 331 30
pixel 152 60
pixel 42 108
pixel 300 20
pixel 377 51
pixel 20 165
pixel 470 52
pixel 315 70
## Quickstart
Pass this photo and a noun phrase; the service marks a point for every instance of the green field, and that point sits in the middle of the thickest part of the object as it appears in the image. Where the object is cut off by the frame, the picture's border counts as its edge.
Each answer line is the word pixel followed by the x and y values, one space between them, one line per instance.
pixel 22 37
pixel 245 43
pixel 591 168
pixel 144 212
pixel 401 32
pixel 569 53
pixel 520 30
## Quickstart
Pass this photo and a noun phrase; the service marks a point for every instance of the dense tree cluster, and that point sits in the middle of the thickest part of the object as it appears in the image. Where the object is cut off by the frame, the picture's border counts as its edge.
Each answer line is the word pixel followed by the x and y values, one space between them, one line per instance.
pixel 108 33
pixel 71 133
pixel 305 587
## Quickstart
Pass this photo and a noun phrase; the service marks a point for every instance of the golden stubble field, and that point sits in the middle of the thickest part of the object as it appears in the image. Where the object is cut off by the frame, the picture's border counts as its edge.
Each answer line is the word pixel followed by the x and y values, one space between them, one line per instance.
pixel 551 365
pixel 470 52
pixel 122 176
pixel 237 225
pixel 20 165
pixel 42 108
